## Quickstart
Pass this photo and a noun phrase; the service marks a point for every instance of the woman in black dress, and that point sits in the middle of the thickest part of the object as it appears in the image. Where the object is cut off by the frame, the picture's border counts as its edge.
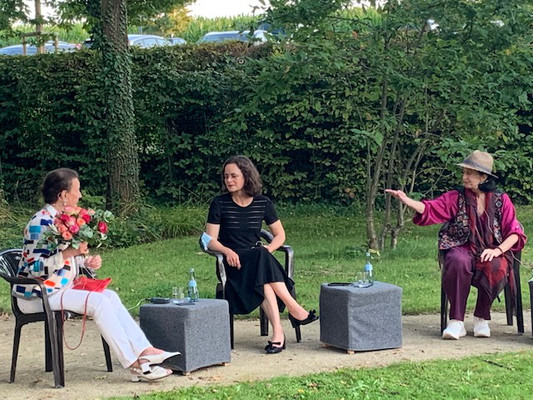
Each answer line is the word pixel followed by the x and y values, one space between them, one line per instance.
pixel 255 277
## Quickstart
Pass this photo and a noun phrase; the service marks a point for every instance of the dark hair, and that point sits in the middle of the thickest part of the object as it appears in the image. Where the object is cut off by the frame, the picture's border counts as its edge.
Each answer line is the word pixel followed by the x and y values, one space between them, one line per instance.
pixel 489 185
pixel 55 182
pixel 252 181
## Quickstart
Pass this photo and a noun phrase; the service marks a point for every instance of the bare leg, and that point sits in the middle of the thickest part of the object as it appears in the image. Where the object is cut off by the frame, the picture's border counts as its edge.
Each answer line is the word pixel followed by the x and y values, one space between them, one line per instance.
pixel 295 309
pixel 270 307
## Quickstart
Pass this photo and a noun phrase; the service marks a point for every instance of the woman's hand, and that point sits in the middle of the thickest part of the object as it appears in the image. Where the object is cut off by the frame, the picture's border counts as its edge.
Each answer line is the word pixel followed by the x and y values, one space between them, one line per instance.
pixel 490 254
pixel 70 251
pixel 398 194
pixel 232 258
pixel 84 248
pixel 418 206
pixel 93 262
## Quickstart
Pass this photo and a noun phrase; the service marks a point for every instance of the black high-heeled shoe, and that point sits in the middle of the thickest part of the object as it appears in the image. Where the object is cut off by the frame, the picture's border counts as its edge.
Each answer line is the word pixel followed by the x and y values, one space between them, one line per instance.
pixel 311 317
pixel 275 347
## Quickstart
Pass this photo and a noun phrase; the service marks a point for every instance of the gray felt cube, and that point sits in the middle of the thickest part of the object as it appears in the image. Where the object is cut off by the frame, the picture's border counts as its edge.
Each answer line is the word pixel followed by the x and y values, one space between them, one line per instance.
pixel 200 332
pixel 361 319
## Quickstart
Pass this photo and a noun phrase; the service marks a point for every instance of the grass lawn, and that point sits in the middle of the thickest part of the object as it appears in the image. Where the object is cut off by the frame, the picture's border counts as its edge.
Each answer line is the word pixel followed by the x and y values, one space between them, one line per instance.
pixel 501 376
pixel 328 247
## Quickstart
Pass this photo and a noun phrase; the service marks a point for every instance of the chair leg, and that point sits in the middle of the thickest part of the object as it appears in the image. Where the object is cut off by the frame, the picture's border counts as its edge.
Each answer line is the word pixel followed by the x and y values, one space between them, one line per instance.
pixel 508 304
pixel 59 344
pixel 14 356
pixel 53 334
pixel 231 337
pixel 519 313
pixel 519 306
pixel 443 310
pixel 263 322
pixel 531 302
pixel 107 354
pixel 47 349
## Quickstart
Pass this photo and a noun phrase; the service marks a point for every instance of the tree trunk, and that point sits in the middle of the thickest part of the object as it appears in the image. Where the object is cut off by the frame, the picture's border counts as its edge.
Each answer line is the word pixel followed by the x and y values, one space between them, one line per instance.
pixel 369 214
pixel 123 162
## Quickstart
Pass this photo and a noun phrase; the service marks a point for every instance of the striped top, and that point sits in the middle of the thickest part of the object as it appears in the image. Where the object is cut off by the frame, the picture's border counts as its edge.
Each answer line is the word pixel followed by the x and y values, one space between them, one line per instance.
pixel 240 226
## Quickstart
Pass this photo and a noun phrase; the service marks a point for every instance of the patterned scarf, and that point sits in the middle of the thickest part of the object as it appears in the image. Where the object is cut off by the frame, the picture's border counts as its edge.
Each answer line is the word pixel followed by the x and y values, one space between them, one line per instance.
pixel 490 276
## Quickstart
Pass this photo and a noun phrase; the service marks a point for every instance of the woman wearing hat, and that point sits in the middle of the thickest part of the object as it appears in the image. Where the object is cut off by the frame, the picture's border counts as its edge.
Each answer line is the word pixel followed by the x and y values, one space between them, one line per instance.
pixel 476 242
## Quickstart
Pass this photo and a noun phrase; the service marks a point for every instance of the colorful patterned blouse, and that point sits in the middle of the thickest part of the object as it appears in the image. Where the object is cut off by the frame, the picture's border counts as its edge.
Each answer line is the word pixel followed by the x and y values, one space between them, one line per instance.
pixel 38 261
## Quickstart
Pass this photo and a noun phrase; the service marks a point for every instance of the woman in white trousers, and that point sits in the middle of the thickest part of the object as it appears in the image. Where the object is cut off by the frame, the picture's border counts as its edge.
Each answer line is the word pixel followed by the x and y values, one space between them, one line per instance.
pixel 59 267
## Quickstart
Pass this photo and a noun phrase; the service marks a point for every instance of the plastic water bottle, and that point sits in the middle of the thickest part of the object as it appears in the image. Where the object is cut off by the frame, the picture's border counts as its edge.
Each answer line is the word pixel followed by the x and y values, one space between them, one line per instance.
pixel 369 272
pixel 192 287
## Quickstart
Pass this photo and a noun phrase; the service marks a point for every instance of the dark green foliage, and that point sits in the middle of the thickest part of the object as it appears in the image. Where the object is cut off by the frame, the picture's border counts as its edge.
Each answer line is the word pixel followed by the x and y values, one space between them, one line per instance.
pixel 50 117
pixel 310 113
pixel 10 11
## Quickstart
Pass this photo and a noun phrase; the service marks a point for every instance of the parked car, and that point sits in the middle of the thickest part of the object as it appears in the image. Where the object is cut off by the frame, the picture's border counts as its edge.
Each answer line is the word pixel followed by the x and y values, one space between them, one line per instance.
pixel 147 41
pixel 176 40
pixel 16 50
pixel 241 36
pixel 143 41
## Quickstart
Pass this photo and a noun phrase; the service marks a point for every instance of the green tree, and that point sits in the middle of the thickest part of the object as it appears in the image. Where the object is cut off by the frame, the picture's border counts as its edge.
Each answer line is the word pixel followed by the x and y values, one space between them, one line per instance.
pixel 108 21
pixel 11 11
pixel 169 23
pixel 422 88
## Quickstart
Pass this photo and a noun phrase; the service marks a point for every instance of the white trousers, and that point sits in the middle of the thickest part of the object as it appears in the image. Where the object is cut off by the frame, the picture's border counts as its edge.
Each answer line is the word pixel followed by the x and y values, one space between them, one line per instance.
pixel 116 325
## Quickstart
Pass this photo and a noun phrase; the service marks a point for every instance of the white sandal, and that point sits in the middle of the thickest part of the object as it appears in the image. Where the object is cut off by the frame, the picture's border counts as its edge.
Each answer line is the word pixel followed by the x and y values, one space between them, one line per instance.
pixel 153 374
pixel 156 359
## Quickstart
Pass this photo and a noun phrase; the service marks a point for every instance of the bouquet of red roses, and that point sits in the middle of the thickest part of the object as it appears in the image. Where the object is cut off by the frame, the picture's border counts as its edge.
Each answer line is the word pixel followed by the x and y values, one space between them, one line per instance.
pixel 76 225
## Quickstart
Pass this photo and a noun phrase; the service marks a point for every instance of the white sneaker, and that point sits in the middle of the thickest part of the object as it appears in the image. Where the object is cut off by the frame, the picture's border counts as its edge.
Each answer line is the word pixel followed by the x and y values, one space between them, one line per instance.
pixel 454 330
pixel 481 327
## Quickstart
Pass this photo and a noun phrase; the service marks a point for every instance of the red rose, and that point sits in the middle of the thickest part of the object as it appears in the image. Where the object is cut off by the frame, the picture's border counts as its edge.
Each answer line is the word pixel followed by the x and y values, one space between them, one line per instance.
pixel 102 227
pixel 74 229
pixel 85 215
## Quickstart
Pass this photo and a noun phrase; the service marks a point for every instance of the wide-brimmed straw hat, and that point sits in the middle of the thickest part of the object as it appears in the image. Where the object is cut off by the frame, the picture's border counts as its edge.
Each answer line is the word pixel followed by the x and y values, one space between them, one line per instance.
pixel 479 161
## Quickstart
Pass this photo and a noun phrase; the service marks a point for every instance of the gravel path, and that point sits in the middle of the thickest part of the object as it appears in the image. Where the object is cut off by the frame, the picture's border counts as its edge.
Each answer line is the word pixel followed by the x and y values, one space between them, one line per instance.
pixel 86 377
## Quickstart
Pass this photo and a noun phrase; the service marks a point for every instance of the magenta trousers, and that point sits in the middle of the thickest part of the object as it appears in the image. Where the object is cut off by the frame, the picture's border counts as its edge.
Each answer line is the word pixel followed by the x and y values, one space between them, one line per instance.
pixel 456 281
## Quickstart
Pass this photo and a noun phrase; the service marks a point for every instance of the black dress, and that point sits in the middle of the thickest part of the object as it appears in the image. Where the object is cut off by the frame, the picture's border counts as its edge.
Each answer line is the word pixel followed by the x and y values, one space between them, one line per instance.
pixel 239 230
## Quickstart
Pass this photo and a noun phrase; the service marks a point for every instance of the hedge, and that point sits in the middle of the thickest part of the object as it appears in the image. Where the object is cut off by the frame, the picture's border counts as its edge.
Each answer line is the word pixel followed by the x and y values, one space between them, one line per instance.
pixel 194 107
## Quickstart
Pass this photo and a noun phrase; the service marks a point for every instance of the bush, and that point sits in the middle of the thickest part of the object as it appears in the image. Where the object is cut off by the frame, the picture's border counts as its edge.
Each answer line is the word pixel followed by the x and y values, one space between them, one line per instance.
pixel 307 115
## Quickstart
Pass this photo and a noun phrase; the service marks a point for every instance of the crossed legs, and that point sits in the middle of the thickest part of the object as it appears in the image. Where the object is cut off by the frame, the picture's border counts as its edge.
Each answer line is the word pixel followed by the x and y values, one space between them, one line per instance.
pixel 270 307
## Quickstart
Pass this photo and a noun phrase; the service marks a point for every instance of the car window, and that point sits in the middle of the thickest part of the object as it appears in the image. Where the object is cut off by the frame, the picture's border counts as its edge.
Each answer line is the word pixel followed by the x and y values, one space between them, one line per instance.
pixel 176 40
pixel 222 37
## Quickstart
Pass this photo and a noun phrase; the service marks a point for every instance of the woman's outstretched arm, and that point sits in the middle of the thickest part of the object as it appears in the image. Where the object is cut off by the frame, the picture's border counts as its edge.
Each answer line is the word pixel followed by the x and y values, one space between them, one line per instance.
pixel 418 206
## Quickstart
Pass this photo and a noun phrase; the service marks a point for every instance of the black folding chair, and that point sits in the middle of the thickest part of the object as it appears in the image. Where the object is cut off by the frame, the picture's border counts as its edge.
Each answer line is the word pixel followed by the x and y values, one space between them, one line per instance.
pixel 221 286
pixel 53 322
